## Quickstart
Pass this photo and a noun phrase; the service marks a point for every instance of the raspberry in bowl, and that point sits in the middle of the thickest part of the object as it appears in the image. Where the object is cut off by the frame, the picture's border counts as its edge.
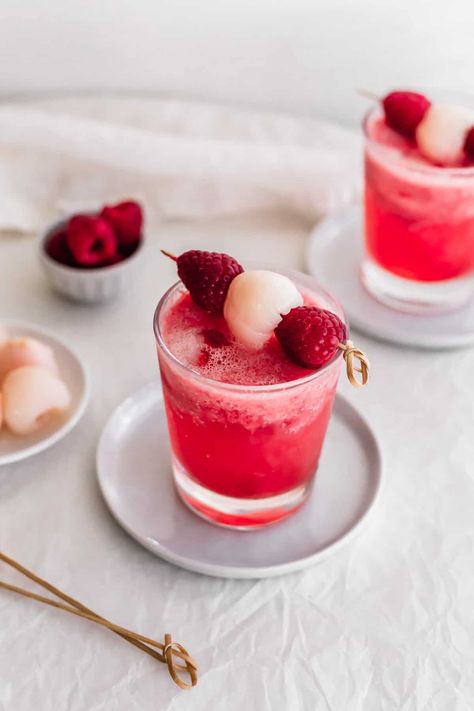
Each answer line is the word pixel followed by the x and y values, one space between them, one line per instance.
pixel 249 361
pixel 89 257
pixel 419 201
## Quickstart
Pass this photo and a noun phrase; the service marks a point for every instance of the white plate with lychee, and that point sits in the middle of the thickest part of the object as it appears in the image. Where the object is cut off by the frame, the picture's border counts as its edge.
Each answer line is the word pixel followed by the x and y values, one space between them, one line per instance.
pixel 43 390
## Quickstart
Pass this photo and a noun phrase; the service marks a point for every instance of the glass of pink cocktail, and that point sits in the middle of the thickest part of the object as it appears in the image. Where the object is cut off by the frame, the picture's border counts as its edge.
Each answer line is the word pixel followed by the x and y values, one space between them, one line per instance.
pixel 246 427
pixel 419 224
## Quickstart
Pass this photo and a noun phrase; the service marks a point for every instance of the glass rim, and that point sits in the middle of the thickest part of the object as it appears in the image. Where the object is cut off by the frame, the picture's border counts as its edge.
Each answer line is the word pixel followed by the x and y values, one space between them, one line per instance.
pixel 238 387
pixel 424 169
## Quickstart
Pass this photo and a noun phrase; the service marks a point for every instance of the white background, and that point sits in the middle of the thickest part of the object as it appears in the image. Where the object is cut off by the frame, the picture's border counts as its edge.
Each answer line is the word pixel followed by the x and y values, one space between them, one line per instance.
pixel 298 55
pixel 388 624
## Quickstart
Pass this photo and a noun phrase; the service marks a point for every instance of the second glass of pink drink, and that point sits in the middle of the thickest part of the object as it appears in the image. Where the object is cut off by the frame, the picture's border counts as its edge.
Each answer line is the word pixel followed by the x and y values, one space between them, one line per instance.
pixel 419 223
pixel 246 427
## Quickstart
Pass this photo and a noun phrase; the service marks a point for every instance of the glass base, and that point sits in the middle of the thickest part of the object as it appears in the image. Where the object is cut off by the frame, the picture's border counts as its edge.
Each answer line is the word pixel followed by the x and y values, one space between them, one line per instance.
pixel 416 297
pixel 229 512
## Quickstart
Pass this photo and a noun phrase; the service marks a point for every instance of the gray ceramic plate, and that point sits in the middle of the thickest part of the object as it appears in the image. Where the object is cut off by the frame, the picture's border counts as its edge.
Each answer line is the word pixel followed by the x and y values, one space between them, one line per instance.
pixel 134 472
pixel 72 370
pixel 333 256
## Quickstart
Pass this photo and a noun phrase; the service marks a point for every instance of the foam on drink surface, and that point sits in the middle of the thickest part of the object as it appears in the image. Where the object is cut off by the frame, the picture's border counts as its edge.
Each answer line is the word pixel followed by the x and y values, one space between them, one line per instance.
pixel 204 343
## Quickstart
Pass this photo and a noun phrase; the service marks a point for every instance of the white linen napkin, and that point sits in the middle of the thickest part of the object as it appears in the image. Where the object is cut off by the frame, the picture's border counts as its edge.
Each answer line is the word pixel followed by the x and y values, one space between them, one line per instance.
pixel 183 160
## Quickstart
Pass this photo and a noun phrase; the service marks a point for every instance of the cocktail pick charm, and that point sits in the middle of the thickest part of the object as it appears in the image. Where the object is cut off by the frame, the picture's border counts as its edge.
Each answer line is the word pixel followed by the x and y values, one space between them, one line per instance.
pixel 166 652
pixel 349 353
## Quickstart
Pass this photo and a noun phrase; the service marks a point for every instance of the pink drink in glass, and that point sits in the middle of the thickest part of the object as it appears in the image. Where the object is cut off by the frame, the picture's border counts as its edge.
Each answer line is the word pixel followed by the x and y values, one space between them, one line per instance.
pixel 246 428
pixel 419 224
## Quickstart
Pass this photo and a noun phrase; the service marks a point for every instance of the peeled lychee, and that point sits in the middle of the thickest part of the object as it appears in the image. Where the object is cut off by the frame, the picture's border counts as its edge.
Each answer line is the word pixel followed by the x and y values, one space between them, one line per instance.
pixel 255 304
pixel 441 133
pixel 32 396
pixel 25 351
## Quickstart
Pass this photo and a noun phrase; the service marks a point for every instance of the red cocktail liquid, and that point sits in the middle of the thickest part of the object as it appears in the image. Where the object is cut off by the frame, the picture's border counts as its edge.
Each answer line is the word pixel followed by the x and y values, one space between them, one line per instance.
pixel 419 217
pixel 244 427
pixel 419 225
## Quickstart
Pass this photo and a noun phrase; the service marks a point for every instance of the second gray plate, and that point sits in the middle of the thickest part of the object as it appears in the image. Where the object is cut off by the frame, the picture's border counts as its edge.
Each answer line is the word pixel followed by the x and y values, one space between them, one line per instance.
pixel 334 253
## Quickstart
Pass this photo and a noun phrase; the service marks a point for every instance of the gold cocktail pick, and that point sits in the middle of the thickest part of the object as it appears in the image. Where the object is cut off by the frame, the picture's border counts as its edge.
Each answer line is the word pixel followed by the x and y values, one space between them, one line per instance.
pixel 351 353
pixel 165 654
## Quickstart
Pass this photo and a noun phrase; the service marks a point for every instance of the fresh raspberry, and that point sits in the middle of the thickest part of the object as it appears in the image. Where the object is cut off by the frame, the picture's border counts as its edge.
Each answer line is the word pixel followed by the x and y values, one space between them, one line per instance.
pixel 126 218
pixel 469 145
pixel 214 338
pixel 310 336
pixel 92 241
pixel 203 358
pixel 207 276
pixel 404 110
pixel 57 249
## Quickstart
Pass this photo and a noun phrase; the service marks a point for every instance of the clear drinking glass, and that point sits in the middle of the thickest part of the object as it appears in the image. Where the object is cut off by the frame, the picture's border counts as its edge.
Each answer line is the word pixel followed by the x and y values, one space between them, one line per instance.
pixel 419 225
pixel 245 456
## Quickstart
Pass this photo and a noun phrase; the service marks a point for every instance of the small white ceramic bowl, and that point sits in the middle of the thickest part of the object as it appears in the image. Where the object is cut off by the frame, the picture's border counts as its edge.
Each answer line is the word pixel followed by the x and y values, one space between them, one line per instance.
pixel 89 286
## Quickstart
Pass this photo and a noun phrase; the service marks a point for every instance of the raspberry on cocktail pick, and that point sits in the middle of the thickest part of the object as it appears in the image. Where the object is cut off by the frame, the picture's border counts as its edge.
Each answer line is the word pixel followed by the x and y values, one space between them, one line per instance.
pixel 468 146
pixel 207 276
pixel 403 110
pixel 312 336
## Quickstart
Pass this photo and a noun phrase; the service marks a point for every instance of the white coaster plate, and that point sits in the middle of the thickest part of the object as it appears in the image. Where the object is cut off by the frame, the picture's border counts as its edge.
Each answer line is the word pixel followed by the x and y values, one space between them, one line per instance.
pixel 134 472
pixel 334 254
pixel 73 372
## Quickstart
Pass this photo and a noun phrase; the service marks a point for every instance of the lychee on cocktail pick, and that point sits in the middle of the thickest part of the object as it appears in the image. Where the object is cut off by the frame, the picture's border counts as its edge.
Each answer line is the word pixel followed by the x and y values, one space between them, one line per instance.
pixel 442 134
pixel 255 304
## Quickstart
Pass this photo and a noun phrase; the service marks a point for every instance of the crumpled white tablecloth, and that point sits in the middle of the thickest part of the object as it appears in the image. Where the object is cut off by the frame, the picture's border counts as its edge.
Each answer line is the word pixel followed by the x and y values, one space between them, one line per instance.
pixel 386 624
pixel 183 159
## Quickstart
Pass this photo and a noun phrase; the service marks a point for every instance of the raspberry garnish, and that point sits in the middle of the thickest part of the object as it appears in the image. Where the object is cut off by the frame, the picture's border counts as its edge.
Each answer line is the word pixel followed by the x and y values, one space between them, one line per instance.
pixel 469 145
pixel 126 218
pixel 404 110
pixel 207 276
pixel 311 336
pixel 203 358
pixel 91 240
pixel 57 248
pixel 214 338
